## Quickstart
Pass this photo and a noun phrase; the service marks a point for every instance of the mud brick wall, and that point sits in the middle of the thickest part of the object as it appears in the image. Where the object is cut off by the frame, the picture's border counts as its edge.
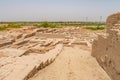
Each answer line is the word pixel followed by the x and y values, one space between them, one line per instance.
pixel 106 48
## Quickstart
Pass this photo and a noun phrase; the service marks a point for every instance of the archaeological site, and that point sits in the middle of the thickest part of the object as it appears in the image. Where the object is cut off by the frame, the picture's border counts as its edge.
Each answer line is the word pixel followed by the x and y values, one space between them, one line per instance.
pixel 67 53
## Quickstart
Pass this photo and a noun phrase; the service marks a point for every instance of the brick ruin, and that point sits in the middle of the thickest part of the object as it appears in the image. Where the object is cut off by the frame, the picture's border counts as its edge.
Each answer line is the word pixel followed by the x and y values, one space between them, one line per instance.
pixel 24 51
pixel 106 48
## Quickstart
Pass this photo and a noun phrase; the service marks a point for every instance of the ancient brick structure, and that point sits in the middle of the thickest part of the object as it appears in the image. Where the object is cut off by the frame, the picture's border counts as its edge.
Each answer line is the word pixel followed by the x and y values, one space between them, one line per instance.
pixel 106 48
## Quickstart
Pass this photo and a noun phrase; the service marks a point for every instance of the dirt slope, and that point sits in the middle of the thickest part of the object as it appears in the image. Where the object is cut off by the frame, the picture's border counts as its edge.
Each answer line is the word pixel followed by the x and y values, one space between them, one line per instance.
pixel 72 64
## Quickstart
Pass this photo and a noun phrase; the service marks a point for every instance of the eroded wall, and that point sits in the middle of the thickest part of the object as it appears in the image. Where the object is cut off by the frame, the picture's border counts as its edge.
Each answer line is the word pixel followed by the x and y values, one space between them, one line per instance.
pixel 106 48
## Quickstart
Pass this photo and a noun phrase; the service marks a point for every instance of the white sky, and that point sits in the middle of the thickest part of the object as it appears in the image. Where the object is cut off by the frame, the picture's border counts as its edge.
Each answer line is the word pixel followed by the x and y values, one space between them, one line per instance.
pixel 57 10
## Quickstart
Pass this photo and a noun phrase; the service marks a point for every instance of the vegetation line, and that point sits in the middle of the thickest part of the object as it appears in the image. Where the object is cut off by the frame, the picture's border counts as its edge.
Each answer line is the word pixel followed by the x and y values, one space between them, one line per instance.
pixel 86 25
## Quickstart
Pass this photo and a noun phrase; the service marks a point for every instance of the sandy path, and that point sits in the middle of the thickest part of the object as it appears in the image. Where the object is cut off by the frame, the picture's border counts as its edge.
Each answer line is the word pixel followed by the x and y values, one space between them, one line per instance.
pixel 72 64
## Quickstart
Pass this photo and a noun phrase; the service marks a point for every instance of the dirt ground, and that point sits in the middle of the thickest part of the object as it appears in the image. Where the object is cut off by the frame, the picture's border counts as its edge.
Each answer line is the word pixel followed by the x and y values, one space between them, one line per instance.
pixel 73 64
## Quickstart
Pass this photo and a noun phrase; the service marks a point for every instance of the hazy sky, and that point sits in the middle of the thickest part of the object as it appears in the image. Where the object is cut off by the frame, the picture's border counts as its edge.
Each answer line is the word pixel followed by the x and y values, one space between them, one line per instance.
pixel 57 10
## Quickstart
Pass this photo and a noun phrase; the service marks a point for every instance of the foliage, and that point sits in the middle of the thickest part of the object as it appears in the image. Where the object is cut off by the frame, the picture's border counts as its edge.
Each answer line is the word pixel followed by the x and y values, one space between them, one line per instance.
pixel 81 24
pixel 47 25
pixel 94 28
pixel 13 25
pixel 2 28
pixel 10 25
pixel 87 25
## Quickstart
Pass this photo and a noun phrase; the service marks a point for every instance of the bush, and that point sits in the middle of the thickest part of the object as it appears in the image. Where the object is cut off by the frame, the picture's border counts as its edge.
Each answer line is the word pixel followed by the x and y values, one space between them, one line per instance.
pixel 12 25
pixel 47 25
pixel 2 28
pixel 94 28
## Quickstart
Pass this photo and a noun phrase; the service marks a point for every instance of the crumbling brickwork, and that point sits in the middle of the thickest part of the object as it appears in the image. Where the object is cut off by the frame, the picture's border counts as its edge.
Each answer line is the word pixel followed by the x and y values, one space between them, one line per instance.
pixel 106 48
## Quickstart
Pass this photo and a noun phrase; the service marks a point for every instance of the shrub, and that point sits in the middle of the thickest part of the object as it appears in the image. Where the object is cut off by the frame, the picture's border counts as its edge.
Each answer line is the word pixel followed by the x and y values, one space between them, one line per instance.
pixel 2 28
pixel 47 25
pixel 12 25
pixel 94 28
